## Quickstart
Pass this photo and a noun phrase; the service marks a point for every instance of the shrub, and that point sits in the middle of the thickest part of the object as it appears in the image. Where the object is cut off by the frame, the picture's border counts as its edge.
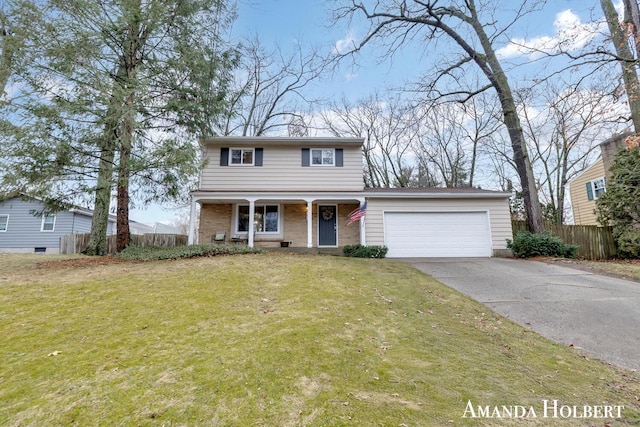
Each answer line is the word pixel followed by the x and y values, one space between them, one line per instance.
pixel 618 206
pixel 154 253
pixel 361 251
pixel 526 245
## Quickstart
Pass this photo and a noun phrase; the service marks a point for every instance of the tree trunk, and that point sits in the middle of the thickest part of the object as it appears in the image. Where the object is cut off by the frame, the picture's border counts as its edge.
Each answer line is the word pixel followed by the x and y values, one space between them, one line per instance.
pixel 97 245
pixel 627 61
pixel 124 234
pixel 124 172
pixel 8 47
pixel 494 72
pixel 100 221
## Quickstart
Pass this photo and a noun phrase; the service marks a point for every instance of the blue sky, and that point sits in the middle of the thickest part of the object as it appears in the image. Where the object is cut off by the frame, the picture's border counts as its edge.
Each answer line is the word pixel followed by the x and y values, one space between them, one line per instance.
pixel 287 23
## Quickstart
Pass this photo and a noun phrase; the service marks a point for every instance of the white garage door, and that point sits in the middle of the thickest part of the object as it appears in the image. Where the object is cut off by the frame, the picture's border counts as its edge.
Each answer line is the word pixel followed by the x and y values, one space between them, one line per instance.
pixel 437 234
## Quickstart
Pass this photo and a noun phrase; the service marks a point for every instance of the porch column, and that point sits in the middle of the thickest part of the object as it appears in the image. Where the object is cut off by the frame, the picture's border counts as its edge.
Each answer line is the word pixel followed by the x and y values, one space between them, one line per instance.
pixel 191 239
pixel 363 237
pixel 309 223
pixel 252 227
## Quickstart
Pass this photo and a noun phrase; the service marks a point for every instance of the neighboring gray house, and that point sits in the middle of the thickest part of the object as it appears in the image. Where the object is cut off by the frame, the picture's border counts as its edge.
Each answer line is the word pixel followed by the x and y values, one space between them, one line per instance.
pixel 22 232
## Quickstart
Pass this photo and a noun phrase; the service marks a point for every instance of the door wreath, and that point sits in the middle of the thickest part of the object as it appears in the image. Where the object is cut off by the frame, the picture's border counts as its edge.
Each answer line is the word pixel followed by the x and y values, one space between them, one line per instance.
pixel 327 214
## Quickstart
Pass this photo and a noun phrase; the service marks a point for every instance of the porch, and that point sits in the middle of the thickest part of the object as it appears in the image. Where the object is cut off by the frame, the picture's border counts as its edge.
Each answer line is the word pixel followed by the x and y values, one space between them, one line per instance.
pixel 277 221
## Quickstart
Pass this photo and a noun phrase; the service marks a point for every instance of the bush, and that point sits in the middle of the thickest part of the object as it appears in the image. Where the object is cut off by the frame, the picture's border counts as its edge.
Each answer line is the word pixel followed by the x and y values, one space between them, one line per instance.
pixel 154 253
pixel 628 240
pixel 526 245
pixel 361 251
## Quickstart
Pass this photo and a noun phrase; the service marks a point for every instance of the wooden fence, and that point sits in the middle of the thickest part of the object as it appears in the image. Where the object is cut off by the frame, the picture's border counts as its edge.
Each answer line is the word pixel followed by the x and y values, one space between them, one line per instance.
pixel 594 243
pixel 77 243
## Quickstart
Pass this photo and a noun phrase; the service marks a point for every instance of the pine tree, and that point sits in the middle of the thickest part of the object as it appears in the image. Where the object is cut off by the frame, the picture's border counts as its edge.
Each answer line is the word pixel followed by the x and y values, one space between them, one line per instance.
pixel 116 94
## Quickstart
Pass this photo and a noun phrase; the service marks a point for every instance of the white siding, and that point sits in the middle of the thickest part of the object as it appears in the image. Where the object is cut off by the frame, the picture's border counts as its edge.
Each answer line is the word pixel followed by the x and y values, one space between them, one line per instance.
pixel 282 170
pixel 498 209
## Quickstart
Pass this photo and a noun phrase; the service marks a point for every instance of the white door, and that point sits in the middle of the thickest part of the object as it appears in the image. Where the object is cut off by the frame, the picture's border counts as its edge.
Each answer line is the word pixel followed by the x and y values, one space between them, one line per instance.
pixel 437 234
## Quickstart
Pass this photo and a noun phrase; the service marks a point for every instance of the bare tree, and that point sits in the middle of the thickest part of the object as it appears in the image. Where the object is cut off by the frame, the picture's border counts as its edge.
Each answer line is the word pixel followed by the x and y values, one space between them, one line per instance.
pixel 474 28
pixel 388 137
pixel 269 89
pixel 621 36
pixel 450 136
pixel 564 135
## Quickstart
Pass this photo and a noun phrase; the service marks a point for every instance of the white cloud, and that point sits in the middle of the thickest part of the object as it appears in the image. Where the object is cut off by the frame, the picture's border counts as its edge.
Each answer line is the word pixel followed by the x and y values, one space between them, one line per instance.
pixel 350 76
pixel 570 34
pixel 345 45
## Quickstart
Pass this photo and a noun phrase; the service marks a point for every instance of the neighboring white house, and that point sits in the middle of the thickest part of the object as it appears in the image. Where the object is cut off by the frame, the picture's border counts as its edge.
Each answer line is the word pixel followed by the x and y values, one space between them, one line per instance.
pixel 302 190
pixel 23 231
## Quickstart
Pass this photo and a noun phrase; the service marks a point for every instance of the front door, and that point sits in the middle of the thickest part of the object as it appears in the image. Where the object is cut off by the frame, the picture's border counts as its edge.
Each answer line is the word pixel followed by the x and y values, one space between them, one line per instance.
pixel 327 225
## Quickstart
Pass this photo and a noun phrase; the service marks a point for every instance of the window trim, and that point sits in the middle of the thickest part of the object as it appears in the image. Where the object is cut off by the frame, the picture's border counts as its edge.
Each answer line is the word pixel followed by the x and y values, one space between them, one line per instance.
pixel 596 192
pixel 261 233
pixel 6 224
pixel 242 151
pixel 322 150
pixel 53 225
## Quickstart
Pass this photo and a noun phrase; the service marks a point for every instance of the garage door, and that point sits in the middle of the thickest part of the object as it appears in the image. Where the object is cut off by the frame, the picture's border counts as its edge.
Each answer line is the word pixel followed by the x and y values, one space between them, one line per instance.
pixel 437 234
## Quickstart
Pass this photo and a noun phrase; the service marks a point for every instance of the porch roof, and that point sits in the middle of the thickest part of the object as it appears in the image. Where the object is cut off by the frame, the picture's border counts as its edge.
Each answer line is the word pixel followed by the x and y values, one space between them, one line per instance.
pixel 279 196
pixel 367 193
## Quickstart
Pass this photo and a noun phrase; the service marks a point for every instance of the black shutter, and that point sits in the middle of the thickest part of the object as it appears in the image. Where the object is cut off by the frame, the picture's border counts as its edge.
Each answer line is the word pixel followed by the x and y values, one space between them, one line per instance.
pixel 224 156
pixel 305 157
pixel 258 159
pixel 339 157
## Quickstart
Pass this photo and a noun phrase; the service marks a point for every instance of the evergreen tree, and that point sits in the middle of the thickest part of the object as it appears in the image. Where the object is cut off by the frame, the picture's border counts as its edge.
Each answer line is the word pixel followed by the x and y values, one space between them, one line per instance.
pixel 116 94
pixel 618 206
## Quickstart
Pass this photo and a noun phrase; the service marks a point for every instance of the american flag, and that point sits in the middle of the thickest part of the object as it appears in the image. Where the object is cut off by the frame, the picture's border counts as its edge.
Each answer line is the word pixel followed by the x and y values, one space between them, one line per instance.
pixel 357 213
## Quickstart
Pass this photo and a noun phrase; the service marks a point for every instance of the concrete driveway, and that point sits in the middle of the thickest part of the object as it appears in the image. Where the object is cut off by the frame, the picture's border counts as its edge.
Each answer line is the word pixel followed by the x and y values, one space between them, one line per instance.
pixel 598 314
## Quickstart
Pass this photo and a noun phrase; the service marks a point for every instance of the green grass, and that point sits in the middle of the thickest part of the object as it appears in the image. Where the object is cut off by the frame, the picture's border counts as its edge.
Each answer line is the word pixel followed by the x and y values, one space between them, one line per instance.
pixel 272 340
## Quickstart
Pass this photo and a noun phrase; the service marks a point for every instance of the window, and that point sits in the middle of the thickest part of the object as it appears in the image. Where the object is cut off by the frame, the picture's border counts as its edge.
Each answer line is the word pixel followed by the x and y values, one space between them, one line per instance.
pixel 48 223
pixel 595 188
pixel 241 156
pixel 322 157
pixel 265 219
pixel 4 222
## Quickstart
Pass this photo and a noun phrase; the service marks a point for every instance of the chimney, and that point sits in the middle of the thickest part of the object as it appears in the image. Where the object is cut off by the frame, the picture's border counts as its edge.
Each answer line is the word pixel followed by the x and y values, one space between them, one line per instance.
pixel 610 148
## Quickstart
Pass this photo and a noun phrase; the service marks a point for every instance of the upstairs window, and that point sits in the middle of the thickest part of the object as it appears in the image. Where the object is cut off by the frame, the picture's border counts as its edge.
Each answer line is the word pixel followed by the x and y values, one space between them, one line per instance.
pixel 595 188
pixel 323 157
pixel 4 222
pixel 241 156
pixel 48 223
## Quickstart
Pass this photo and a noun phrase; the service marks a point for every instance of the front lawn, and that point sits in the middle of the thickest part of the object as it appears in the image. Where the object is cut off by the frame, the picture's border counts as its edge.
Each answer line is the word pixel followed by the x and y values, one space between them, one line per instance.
pixel 628 269
pixel 273 340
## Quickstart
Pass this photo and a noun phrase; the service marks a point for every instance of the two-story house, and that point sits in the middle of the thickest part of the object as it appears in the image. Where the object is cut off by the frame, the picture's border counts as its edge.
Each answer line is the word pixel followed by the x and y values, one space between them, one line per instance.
pixel 268 190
